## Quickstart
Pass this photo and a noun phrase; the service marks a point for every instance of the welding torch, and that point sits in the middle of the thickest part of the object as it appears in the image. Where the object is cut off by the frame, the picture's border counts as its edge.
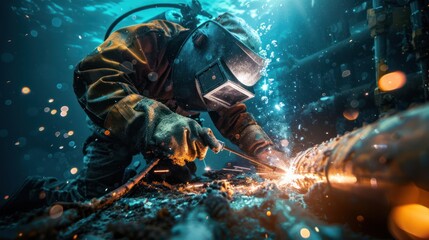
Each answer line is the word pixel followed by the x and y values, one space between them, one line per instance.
pixel 250 159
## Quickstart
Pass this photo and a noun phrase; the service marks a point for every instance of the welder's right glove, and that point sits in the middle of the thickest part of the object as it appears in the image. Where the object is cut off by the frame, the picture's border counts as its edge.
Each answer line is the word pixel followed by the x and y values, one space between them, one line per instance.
pixel 153 129
pixel 182 139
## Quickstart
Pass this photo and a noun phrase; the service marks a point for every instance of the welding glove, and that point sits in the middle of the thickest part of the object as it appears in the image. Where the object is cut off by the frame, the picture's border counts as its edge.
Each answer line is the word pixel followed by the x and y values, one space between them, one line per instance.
pixel 182 139
pixel 170 135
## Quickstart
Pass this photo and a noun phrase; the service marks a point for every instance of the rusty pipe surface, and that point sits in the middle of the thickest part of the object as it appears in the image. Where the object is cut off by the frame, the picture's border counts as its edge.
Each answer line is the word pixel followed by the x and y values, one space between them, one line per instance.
pixel 384 156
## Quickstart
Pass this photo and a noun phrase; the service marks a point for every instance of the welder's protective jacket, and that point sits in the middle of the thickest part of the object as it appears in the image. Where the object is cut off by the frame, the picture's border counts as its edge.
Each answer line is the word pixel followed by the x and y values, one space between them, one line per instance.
pixel 126 79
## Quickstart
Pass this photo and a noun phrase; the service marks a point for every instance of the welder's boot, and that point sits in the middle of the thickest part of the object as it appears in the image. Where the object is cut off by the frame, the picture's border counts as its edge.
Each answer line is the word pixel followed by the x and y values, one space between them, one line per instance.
pixel 29 196
pixel 37 192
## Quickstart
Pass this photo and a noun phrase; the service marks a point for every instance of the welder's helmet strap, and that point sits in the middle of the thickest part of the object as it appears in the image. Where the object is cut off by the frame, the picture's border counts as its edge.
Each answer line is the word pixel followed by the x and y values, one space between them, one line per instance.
pixel 216 68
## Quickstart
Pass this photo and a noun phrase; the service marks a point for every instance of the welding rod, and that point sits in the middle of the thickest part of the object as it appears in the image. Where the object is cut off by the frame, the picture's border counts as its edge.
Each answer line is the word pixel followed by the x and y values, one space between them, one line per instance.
pixel 249 158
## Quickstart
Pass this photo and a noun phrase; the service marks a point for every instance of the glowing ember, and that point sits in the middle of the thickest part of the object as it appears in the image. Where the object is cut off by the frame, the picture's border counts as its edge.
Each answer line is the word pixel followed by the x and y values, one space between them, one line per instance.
pixel 63 114
pixel 305 233
pixel 268 213
pixel 70 133
pixel 53 111
pixel 351 114
pixel 25 90
pixel 392 81
pixel 360 218
pixel 56 211
pixel 73 170
pixel 107 133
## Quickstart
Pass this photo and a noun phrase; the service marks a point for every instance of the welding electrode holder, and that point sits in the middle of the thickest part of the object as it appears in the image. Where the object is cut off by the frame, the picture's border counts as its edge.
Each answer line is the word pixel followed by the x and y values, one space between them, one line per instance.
pixel 249 158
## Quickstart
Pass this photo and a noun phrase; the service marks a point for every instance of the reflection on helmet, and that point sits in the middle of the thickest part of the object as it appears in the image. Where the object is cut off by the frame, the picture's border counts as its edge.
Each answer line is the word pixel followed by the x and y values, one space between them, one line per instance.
pixel 214 69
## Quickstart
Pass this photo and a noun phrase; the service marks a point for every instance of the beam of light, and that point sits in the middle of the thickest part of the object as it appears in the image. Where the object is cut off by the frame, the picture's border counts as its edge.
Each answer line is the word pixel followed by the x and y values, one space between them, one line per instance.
pixel 206 168
pixel 161 171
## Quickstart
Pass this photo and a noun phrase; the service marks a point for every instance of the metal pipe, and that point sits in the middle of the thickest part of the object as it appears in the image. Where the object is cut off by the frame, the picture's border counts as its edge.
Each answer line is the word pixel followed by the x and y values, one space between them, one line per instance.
pixel 419 19
pixel 340 50
pixel 380 39
pixel 383 156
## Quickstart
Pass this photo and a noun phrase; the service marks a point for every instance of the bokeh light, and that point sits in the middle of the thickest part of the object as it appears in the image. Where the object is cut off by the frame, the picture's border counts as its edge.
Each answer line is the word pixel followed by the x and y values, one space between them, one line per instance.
pixel 64 109
pixel 409 221
pixel 25 90
pixel 392 81
pixel 73 170
pixel 351 114
pixel 56 211
pixel 305 233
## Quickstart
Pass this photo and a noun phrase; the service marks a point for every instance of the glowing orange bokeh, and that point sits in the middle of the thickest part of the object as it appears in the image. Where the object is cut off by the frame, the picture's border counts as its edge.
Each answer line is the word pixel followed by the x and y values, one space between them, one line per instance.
pixel 305 233
pixel 25 90
pixel 351 114
pixel 410 221
pixel 73 171
pixel 392 81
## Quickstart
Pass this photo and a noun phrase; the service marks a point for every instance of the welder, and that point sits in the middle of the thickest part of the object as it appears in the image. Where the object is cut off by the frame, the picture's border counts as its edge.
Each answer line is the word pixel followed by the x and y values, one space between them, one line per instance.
pixel 142 90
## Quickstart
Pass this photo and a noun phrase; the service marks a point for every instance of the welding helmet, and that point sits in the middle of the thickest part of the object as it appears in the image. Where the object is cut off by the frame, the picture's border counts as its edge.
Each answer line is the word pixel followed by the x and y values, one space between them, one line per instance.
pixel 217 65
